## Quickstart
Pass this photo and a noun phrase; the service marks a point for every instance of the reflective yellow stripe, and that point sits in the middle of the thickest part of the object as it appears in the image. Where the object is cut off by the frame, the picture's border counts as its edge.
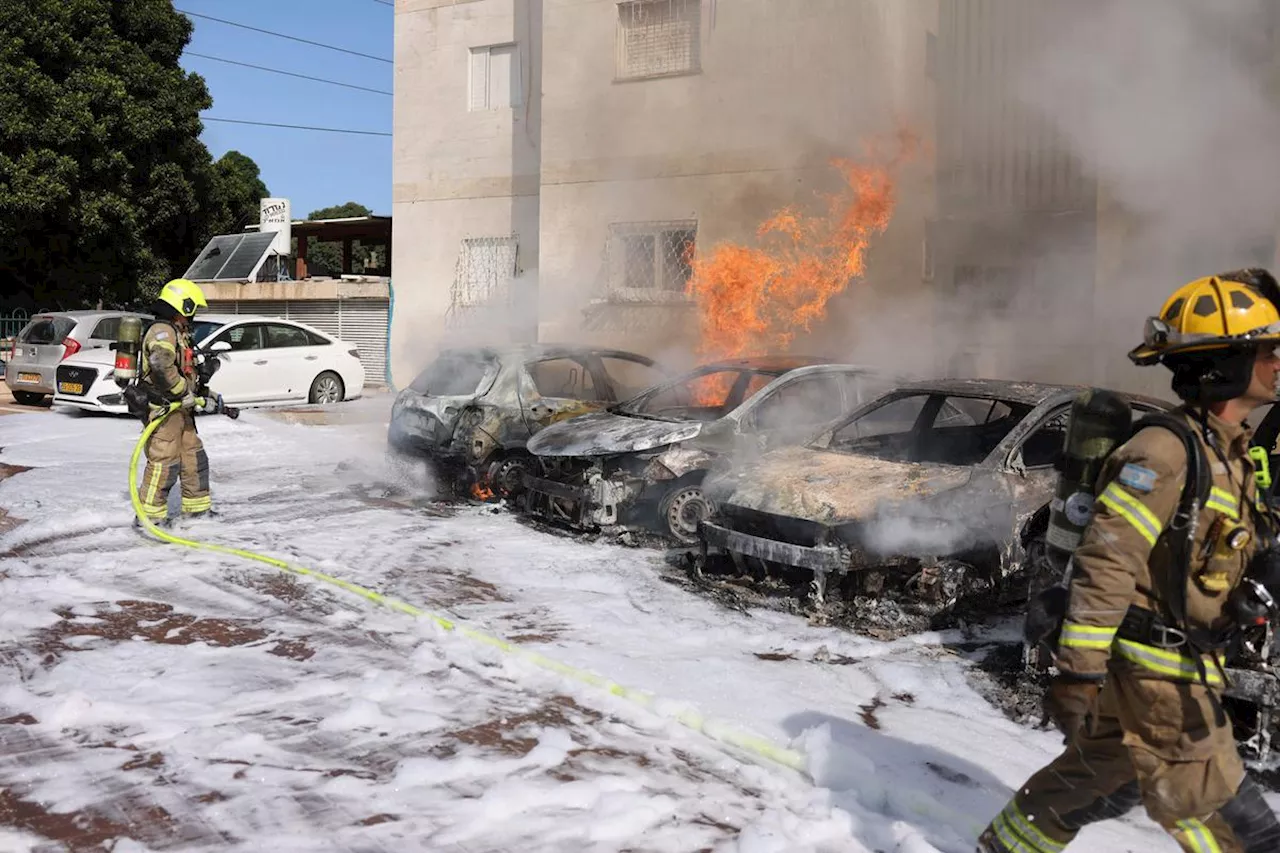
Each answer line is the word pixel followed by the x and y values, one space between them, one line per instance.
pixel 1199 836
pixel 164 345
pixel 1223 502
pixel 1021 835
pixel 1133 511
pixel 197 504
pixel 1169 663
pixel 1077 636
pixel 153 487
pixel 178 387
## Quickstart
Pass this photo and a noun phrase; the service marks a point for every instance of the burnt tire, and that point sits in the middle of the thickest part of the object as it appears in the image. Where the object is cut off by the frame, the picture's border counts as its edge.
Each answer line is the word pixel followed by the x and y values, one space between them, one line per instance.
pixel 326 389
pixel 27 398
pixel 680 510
pixel 507 475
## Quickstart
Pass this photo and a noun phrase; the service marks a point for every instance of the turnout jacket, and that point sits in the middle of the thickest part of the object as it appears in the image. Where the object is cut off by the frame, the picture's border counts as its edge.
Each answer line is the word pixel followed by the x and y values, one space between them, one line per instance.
pixel 168 360
pixel 1125 558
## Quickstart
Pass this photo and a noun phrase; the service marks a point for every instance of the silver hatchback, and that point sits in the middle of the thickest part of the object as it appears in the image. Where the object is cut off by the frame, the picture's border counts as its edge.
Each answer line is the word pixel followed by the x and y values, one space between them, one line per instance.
pixel 48 339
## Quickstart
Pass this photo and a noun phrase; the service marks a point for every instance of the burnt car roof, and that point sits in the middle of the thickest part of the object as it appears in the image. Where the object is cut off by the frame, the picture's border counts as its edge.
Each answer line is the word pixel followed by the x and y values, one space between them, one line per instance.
pixel 541 351
pixel 767 363
pixel 1030 393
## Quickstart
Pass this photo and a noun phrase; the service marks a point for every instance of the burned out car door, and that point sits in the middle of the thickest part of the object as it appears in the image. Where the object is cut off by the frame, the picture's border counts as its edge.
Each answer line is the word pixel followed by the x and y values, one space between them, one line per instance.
pixel 559 388
pixel 792 410
pixel 627 375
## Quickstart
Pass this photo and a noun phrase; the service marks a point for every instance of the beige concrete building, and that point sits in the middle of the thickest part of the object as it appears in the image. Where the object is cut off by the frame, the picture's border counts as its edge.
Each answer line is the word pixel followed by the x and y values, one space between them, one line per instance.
pixel 557 160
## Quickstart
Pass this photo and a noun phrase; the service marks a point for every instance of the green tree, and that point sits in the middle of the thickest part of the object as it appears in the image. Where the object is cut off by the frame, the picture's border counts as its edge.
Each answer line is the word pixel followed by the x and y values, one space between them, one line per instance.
pixel 237 192
pixel 103 177
pixel 326 258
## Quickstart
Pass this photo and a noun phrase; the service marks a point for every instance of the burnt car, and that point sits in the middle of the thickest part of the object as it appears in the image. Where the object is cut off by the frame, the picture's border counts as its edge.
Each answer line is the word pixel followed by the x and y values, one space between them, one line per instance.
pixel 642 462
pixel 471 412
pixel 934 493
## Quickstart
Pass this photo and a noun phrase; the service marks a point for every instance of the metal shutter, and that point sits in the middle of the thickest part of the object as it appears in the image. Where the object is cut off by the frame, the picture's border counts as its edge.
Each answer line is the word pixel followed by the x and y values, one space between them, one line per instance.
pixel 267 309
pixel 277 308
pixel 322 314
pixel 364 323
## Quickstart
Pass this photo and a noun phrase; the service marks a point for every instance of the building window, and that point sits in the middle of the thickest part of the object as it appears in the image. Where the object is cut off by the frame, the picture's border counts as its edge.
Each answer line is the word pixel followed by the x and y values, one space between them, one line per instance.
pixel 495 78
pixel 650 260
pixel 482 277
pixel 658 38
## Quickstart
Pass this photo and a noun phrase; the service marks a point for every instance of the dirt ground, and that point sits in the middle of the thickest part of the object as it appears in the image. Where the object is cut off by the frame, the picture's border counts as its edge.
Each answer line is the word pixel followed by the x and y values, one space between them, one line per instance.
pixel 9 407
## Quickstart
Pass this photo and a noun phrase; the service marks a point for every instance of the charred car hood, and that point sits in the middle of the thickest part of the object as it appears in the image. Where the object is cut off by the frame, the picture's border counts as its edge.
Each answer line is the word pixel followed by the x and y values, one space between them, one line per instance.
pixel 829 487
pixel 607 434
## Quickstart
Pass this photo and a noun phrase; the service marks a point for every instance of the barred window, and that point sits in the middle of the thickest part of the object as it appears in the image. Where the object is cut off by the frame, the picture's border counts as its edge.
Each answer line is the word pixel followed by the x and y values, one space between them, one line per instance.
pixel 658 38
pixel 644 259
pixel 482 276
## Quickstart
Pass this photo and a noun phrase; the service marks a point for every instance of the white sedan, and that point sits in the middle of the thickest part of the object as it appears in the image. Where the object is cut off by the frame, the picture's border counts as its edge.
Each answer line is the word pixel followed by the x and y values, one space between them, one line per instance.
pixel 265 361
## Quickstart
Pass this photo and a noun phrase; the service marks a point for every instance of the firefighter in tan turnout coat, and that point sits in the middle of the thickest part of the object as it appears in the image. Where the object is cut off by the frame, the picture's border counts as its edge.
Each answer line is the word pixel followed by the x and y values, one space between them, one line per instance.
pixel 1138 691
pixel 168 373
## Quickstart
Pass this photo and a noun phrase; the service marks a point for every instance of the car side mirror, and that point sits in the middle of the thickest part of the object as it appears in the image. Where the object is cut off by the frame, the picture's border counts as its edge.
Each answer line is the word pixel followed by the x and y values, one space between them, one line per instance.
pixel 1017 466
pixel 221 346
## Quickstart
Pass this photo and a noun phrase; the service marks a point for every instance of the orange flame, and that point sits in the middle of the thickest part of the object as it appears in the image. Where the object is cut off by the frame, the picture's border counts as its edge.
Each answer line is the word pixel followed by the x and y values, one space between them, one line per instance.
pixel 753 300
pixel 480 491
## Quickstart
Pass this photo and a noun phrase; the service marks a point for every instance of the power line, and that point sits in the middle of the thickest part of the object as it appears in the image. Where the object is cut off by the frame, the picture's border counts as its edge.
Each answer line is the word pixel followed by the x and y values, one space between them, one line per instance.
pixel 283 36
pixel 297 126
pixel 288 73
pixel 385 3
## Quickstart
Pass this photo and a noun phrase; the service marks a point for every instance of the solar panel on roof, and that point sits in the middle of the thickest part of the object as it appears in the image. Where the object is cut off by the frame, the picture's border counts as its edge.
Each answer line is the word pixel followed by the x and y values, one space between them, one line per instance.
pixel 212 257
pixel 231 257
pixel 246 257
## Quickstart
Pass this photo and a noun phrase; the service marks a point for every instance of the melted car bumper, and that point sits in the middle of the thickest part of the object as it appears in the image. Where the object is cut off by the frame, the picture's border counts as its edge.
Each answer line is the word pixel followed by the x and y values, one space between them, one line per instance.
pixel 826 559
pixel 593 505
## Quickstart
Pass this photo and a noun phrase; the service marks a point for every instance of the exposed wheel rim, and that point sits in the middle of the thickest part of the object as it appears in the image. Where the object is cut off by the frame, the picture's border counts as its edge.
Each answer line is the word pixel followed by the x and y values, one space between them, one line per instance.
pixel 327 390
pixel 508 476
pixel 684 510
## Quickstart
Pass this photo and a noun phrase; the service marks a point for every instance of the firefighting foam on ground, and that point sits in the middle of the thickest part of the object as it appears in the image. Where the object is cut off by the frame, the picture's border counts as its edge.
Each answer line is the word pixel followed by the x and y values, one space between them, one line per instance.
pixel 923 518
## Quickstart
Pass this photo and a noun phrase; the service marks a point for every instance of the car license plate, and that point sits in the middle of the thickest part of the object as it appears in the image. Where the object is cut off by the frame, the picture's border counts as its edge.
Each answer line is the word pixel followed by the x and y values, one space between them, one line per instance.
pixel 31 378
pixel 70 387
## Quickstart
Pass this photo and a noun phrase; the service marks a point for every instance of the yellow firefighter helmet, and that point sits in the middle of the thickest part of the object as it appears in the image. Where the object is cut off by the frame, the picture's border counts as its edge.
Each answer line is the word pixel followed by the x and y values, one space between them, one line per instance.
pixel 1218 312
pixel 185 296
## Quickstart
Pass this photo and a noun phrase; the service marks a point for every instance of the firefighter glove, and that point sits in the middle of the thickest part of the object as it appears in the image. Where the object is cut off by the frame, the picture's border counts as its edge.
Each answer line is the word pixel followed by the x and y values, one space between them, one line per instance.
pixel 189 400
pixel 213 404
pixel 1070 701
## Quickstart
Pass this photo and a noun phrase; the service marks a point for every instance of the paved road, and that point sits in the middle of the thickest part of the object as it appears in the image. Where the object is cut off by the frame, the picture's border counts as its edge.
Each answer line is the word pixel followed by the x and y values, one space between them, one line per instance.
pixel 9 407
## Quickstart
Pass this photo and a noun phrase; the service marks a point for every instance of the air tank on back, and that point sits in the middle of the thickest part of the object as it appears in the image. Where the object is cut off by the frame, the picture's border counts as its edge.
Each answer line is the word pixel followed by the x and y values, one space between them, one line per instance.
pixel 127 345
pixel 1101 420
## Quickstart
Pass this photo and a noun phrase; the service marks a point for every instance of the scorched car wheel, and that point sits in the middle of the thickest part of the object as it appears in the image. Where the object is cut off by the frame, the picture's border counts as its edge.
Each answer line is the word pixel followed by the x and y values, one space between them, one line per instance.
pixel 507 476
pixel 681 510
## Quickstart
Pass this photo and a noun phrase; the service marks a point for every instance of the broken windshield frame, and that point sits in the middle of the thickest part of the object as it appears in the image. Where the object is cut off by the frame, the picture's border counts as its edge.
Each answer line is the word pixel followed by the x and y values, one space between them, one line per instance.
pixel 675 401
pixel 927 427
pixel 458 374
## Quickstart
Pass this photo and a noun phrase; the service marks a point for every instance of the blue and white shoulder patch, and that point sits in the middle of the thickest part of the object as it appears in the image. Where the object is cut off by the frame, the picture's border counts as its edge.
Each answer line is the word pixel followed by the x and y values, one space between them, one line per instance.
pixel 1137 478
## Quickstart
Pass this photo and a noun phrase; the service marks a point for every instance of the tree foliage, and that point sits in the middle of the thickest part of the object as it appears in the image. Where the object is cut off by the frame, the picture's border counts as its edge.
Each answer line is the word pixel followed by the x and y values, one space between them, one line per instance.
pixel 326 258
pixel 105 186
pixel 237 193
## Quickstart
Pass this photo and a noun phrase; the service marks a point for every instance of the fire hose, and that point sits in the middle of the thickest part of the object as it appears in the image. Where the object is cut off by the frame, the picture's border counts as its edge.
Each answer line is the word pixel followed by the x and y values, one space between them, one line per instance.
pixel 746 742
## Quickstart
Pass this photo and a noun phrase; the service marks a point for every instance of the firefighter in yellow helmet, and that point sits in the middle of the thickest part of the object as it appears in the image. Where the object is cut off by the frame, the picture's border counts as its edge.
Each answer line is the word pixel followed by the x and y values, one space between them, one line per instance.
pixel 1157 589
pixel 167 372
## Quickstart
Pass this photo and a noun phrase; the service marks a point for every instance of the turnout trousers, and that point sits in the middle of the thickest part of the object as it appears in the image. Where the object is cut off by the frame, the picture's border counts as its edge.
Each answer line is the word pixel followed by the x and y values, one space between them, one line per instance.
pixel 175 452
pixel 1165 744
